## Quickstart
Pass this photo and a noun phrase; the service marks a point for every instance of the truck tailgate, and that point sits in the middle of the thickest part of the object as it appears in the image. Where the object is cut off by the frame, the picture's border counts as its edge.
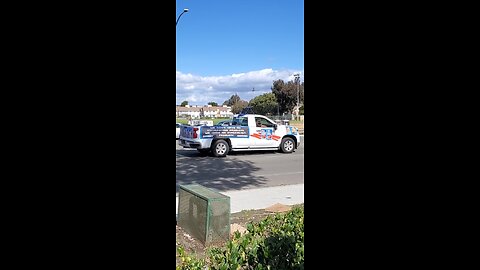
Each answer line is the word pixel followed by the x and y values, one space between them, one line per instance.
pixel 186 132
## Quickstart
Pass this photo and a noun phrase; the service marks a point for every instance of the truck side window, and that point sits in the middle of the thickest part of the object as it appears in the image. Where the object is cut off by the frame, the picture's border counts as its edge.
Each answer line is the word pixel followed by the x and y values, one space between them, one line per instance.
pixel 262 122
pixel 259 122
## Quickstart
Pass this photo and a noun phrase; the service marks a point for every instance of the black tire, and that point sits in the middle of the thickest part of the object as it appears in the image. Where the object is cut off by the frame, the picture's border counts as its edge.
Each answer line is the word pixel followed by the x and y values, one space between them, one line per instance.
pixel 287 145
pixel 220 148
pixel 203 152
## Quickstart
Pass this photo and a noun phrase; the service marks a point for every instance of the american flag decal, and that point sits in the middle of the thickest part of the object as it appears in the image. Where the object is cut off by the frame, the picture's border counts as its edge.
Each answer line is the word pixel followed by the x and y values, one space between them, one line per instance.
pixel 260 136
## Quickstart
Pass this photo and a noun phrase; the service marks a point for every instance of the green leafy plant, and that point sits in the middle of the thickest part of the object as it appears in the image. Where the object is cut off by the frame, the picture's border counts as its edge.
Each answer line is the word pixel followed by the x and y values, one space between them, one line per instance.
pixel 277 242
pixel 189 262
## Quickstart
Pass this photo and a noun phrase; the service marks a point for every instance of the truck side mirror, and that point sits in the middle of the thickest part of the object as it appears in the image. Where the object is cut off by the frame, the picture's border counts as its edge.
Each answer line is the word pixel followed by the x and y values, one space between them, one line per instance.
pixel 275 126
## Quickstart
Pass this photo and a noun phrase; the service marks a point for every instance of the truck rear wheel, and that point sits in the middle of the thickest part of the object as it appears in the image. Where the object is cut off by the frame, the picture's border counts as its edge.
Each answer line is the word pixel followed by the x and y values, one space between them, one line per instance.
pixel 220 148
pixel 287 145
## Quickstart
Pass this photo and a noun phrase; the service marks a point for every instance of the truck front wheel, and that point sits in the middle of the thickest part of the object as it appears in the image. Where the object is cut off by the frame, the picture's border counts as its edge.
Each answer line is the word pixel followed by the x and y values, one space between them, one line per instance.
pixel 287 145
pixel 220 148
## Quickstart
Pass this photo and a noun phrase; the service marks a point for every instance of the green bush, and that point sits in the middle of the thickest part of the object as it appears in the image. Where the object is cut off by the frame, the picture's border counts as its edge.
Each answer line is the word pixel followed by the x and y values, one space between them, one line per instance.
pixel 276 242
pixel 189 262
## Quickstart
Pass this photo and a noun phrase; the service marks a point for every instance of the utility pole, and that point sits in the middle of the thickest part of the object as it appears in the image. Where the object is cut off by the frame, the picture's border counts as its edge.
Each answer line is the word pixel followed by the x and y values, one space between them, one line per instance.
pixel 297 82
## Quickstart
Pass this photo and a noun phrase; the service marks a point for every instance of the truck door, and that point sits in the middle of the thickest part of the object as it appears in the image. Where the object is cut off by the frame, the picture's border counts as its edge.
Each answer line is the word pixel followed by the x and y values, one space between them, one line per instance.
pixel 241 142
pixel 264 133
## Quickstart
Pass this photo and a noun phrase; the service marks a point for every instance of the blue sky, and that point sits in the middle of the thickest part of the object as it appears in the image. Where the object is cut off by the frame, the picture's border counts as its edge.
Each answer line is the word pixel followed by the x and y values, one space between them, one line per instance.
pixel 225 47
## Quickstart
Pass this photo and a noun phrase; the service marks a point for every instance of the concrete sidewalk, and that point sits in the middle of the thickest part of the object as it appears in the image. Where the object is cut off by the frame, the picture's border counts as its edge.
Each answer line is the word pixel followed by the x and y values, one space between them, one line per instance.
pixel 261 198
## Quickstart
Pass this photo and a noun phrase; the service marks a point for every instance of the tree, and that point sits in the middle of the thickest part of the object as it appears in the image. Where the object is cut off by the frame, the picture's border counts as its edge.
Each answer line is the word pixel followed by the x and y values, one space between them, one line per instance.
pixel 239 106
pixel 214 104
pixel 184 103
pixel 236 103
pixel 286 94
pixel 232 100
pixel 264 104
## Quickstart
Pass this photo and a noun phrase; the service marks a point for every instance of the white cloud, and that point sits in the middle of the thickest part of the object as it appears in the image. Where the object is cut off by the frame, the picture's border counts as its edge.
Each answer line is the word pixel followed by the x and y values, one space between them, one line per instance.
pixel 198 90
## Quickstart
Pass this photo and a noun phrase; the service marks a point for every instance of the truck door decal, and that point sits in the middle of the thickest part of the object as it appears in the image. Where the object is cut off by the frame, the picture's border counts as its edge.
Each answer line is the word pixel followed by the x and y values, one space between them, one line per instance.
pixel 265 134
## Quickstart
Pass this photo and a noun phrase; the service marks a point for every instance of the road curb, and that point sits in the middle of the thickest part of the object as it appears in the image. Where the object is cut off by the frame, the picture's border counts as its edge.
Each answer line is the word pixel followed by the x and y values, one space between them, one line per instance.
pixel 261 198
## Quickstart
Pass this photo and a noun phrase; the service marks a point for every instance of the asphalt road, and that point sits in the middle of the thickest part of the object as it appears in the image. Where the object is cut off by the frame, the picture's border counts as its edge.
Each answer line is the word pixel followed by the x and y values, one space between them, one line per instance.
pixel 240 170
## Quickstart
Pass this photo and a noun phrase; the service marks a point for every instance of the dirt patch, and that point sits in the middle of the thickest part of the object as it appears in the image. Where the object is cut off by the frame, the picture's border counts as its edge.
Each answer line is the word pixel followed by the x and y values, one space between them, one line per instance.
pixel 237 228
pixel 278 208
pixel 298 125
pixel 238 222
pixel 190 244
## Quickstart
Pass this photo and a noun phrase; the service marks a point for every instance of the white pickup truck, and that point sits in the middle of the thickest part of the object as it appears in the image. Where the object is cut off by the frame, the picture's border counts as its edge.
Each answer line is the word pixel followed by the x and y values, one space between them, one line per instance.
pixel 247 132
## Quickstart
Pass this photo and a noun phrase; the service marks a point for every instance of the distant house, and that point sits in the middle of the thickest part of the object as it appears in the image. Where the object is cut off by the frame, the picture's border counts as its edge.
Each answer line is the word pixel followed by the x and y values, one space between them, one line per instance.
pixel 204 111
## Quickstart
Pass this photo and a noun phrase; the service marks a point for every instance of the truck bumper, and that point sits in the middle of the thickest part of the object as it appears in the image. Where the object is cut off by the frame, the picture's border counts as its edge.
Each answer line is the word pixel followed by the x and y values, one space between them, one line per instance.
pixel 189 144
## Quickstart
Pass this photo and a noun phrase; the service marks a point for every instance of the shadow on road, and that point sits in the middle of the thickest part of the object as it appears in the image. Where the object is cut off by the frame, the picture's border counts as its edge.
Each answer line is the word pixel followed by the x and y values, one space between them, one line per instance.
pixel 217 173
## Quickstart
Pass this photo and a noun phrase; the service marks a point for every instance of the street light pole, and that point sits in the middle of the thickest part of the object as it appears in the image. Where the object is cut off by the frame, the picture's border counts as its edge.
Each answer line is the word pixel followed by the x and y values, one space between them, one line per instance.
pixel 184 11
pixel 297 81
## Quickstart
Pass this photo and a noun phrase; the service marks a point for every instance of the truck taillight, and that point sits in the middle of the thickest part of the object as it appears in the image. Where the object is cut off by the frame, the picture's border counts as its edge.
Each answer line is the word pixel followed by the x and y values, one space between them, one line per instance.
pixel 195 133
